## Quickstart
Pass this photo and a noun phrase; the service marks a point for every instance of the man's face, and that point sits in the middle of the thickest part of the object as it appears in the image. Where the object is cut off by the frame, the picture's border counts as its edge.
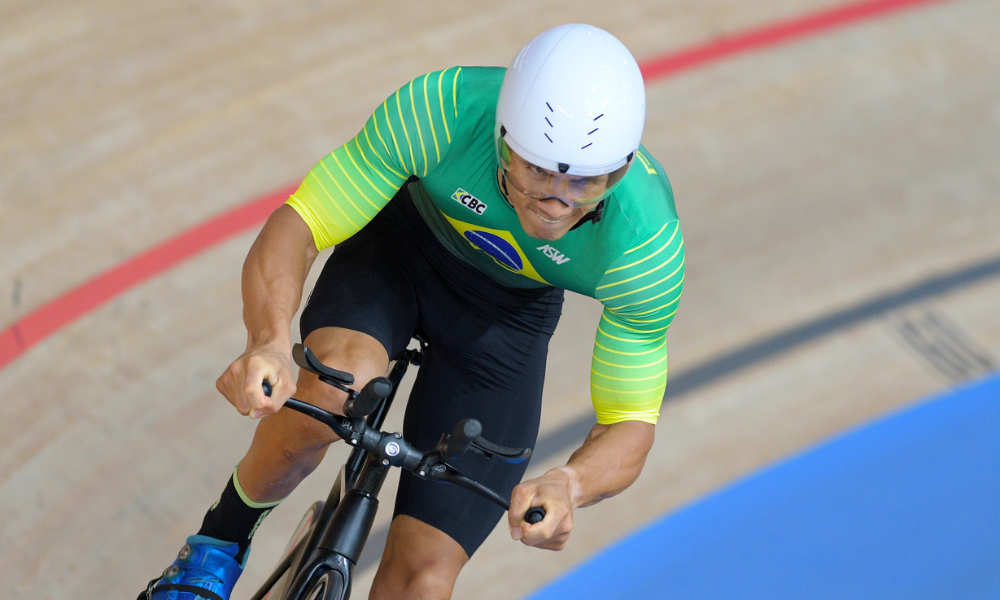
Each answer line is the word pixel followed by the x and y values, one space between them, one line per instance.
pixel 547 203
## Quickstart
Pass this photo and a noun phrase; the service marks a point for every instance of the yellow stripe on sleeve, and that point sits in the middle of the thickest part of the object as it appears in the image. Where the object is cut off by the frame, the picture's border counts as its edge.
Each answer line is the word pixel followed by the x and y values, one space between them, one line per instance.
pixel 392 134
pixel 444 118
pixel 646 288
pixel 662 248
pixel 357 142
pixel 420 134
pixel 430 119
pixel 649 240
pixel 330 197
pixel 661 375
pixel 620 366
pixel 378 133
pixel 619 352
pixel 653 270
pixel 359 170
pixel 406 134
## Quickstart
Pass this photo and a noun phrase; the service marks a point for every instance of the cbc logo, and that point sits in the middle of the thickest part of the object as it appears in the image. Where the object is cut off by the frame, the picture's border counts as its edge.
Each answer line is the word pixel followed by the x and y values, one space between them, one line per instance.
pixel 469 201
pixel 392 448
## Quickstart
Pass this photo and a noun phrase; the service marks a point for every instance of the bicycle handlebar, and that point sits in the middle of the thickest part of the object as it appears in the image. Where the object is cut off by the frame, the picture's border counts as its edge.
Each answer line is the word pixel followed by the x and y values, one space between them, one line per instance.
pixel 393 450
pixel 368 398
pixel 534 515
pixel 465 432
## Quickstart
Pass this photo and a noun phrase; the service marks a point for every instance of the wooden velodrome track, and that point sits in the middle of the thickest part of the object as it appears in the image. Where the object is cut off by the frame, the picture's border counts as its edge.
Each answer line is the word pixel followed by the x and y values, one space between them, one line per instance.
pixel 839 193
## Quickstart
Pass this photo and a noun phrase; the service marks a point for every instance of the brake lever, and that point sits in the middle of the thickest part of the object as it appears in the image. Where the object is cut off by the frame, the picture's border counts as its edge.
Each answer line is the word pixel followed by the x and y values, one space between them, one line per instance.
pixel 444 472
pixel 508 455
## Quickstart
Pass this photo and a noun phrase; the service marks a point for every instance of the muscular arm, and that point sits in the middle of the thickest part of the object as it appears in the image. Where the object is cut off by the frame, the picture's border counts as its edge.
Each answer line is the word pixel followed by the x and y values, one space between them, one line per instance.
pixel 273 275
pixel 609 461
pixel 640 293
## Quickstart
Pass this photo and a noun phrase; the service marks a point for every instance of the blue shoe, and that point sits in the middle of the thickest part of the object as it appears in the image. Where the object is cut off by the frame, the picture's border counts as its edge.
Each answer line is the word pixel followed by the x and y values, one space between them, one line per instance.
pixel 205 569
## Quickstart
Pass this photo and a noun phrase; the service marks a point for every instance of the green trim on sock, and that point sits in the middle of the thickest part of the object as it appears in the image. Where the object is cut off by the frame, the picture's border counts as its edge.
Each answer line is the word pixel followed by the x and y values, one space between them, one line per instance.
pixel 245 499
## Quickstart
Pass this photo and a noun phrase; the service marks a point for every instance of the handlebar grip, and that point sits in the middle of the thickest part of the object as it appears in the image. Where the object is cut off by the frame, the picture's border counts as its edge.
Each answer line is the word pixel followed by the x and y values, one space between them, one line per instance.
pixel 267 388
pixel 465 432
pixel 534 515
pixel 368 398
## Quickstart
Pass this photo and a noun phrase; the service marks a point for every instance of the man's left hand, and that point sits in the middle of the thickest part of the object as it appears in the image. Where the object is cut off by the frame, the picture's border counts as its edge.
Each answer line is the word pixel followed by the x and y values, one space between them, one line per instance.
pixel 553 492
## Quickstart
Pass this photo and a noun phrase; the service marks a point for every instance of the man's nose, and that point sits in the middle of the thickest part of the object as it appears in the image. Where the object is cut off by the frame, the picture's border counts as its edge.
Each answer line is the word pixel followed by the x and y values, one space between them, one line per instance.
pixel 555 208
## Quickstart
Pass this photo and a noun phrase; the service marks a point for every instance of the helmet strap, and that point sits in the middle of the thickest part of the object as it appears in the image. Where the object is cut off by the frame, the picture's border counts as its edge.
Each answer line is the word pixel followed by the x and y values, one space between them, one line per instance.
pixel 503 187
pixel 594 216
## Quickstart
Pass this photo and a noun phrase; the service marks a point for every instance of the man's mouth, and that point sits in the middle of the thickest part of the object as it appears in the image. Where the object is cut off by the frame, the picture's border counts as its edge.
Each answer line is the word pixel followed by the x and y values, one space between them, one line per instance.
pixel 546 220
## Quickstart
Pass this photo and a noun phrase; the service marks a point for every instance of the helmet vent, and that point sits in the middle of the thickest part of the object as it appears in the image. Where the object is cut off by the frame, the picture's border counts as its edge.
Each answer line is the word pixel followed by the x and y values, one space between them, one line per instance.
pixel 549 122
pixel 587 146
pixel 598 116
pixel 595 129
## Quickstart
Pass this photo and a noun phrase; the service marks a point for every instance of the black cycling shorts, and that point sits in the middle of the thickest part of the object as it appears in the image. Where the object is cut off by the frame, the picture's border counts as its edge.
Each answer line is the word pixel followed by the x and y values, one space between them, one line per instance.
pixel 487 346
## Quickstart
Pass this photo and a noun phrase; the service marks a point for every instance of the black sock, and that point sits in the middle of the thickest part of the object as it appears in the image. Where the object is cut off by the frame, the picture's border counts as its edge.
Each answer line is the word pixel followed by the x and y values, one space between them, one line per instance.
pixel 235 518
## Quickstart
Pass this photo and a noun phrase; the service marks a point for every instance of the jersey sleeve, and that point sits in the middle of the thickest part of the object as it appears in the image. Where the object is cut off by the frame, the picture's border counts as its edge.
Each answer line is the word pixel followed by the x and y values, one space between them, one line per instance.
pixel 406 136
pixel 640 293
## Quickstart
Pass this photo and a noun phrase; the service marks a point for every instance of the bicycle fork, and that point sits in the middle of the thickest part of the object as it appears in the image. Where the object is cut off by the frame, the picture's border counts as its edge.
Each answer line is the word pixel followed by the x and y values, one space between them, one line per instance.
pixel 340 548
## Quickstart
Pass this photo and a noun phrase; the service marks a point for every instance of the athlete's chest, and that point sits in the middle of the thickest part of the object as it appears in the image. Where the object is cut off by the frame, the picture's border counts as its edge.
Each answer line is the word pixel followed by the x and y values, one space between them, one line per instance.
pixel 469 198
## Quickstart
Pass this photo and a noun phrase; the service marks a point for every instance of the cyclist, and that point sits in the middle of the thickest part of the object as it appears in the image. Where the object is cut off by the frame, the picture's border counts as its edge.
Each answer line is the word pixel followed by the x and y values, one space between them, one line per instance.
pixel 468 202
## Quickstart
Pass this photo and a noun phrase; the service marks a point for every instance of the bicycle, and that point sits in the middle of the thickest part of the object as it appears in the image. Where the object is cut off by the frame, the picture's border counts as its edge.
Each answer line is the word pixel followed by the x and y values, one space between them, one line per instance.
pixel 319 560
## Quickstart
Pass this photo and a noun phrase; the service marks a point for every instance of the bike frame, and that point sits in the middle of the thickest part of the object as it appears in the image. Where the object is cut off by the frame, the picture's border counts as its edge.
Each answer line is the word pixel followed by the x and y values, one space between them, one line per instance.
pixel 338 535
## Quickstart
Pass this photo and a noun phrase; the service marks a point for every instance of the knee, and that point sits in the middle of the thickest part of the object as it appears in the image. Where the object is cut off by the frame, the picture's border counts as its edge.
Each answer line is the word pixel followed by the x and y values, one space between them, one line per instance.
pixel 425 583
pixel 343 356
pixel 302 437
pixel 420 562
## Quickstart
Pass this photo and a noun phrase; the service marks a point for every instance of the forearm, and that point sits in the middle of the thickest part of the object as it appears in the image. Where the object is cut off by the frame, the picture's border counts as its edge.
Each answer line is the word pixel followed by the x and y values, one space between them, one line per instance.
pixel 273 276
pixel 608 462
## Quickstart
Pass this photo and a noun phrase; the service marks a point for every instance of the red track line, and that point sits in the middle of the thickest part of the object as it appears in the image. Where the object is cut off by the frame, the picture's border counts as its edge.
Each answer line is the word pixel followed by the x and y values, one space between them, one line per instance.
pixel 46 320
pixel 771 35
pixel 49 318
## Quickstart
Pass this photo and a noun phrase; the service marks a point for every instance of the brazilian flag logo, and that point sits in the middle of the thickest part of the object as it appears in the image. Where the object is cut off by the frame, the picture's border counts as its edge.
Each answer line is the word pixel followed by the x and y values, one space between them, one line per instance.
pixel 500 246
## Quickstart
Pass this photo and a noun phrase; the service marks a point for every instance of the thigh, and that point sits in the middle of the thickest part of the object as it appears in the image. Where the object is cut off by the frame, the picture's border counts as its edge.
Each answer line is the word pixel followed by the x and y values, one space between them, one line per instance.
pixel 490 370
pixel 364 287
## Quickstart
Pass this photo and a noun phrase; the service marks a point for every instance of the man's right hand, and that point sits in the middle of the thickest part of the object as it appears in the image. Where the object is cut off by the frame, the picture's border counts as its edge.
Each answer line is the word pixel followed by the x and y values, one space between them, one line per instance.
pixel 241 383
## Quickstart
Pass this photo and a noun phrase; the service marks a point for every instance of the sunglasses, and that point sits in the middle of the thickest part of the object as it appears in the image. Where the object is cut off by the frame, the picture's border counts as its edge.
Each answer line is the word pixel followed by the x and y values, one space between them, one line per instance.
pixel 541 184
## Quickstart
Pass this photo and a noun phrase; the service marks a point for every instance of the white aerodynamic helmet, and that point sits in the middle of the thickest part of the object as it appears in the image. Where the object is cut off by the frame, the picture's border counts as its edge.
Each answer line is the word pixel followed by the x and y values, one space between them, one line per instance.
pixel 572 102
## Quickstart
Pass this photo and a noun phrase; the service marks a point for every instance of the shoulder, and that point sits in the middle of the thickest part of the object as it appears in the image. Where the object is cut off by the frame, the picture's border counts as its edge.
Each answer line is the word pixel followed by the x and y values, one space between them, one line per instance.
pixel 456 85
pixel 461 85
pixel 644 202
pixel 481 76
pixel 477 88
pixel 465 94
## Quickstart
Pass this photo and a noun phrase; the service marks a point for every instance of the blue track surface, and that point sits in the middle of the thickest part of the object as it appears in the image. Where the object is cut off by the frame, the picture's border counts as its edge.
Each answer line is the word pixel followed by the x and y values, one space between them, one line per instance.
pixel 905 507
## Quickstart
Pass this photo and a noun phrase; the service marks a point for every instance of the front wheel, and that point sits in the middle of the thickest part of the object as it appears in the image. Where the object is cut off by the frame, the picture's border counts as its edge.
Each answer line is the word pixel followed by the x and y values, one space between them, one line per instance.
pixel 328 586
pixel 304 529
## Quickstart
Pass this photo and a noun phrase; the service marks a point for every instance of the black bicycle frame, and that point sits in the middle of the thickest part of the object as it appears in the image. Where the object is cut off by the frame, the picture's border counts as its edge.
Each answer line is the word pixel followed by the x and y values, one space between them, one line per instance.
pixel 339 534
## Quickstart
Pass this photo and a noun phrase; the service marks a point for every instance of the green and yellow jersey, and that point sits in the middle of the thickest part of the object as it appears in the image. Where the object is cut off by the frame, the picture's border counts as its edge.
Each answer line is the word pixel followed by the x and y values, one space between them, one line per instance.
pixel 440 128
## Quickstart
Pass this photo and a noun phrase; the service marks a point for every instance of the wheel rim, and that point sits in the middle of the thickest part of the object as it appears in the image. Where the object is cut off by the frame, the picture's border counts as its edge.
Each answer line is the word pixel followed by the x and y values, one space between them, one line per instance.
pixel 318 589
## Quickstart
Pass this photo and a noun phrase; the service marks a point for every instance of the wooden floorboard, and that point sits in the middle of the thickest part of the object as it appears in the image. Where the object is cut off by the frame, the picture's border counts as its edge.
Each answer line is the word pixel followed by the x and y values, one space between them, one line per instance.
pixel 811 177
